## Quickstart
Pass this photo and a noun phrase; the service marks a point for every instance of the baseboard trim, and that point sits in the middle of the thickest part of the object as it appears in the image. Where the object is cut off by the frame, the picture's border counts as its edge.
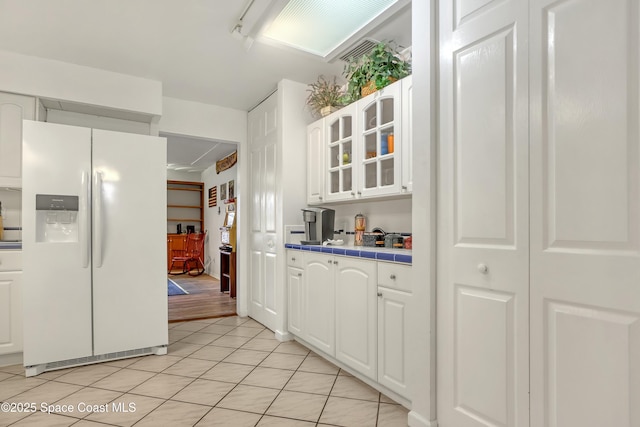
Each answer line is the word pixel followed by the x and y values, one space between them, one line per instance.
pixel 417 420
pixel 11 359
pixel 284 336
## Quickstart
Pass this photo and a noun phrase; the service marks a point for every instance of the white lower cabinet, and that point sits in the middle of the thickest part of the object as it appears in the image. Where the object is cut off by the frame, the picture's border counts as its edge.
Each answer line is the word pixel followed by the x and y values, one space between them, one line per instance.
pixel 392 339
pixel 319 302
pixel 354 311
pixel 10 303
pixel 295 286
pixel 356 308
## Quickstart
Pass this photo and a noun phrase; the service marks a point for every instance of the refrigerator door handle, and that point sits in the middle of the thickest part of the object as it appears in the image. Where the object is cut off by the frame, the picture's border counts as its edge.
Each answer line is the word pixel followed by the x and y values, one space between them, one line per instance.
pixel 84 220
pixel 97 219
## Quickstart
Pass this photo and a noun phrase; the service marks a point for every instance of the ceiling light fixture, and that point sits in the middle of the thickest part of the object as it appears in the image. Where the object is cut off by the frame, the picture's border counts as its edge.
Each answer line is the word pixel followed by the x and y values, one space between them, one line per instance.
pixel 236 31
pixel 300 22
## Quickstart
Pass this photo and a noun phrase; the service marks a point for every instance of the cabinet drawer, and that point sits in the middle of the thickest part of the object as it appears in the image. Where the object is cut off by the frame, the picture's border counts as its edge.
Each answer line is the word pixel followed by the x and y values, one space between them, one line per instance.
pixel 294 259
pixel 10 260
pixel 395 276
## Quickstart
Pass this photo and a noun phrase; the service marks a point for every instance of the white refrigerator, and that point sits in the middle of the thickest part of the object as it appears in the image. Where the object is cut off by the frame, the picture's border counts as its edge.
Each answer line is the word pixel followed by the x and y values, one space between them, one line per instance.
pixel 94 245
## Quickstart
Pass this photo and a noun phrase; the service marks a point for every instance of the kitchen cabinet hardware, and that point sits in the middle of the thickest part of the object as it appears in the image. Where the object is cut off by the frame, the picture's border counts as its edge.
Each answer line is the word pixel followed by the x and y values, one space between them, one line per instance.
pixel 392 277
pixel 482 268
pixel 335 262
pixel 293 258
pixel 299 274
pixel 380 294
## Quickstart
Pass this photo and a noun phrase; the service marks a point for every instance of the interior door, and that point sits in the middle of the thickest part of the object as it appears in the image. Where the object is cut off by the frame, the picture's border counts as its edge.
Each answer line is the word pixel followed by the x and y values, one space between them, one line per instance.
pixel 585 220
pixel 263 139
pixel 483 275
pixel 129 231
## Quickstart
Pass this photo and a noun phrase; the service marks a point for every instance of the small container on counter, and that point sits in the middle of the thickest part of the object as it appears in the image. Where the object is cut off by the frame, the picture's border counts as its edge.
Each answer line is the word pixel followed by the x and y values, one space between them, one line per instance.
pixel 408 242
pixel 390 239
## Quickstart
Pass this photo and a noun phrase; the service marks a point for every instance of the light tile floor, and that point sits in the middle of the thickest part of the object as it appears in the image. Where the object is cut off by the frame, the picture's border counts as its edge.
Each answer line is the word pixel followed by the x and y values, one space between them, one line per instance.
pixel 220 372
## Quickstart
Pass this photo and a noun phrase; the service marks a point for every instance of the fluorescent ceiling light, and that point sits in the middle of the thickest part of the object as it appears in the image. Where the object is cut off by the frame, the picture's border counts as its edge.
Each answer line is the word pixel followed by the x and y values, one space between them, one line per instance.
pixel 320 26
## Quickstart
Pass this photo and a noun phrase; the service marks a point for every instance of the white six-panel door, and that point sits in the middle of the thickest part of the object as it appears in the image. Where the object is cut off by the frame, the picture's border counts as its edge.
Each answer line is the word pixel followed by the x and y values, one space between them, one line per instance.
pixel 263 137
pixel 483 248
pixel 585 217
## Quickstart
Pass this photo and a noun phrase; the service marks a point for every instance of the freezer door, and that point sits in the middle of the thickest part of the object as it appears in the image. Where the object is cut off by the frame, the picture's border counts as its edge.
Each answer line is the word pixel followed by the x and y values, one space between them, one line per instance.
pixel 57 273
pixel 129 241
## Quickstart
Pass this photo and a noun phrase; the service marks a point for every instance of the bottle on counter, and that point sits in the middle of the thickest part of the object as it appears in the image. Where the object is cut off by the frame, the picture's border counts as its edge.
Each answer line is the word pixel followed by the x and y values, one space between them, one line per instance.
pixel 1 224
pixel 360 226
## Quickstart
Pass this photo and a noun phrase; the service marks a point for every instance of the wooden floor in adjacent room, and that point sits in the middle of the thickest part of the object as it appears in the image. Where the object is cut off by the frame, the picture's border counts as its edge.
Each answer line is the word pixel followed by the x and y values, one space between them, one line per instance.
pixel 204 300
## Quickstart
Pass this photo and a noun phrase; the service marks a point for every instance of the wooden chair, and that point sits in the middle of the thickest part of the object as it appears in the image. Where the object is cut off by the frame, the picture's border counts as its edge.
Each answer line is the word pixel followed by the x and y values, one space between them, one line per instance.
pixel 191 256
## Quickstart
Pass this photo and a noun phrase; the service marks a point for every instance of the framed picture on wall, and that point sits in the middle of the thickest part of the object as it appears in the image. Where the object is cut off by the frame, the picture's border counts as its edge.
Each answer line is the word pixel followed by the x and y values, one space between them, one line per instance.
pixel 223 191
pixel 231 190
pixel 213 196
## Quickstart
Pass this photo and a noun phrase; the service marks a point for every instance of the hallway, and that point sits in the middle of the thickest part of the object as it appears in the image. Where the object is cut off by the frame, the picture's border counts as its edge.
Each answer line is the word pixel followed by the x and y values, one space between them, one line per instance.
pixel 204 300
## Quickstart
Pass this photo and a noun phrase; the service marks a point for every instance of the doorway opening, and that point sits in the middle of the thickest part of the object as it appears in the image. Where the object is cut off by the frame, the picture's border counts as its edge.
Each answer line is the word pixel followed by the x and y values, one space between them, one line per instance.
pixel 195 203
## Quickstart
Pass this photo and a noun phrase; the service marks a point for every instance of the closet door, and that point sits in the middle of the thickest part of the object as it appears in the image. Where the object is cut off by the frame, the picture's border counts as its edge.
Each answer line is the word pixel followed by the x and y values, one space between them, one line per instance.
pixel 483 215
pixel 585 196
pixel 263 137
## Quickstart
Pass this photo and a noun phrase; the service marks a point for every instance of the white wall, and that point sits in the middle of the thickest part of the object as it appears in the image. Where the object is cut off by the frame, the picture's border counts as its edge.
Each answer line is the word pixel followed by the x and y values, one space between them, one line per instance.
pixel 47 78
pixel 214 217
pixel 183 176
pixel 97 122
pixel 421 323
pixel 190 118
pixel 390 215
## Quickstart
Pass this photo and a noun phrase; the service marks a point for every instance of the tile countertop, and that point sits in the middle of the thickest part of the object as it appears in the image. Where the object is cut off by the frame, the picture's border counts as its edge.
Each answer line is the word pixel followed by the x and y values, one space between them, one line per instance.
pixel 380 254
pixel 10 245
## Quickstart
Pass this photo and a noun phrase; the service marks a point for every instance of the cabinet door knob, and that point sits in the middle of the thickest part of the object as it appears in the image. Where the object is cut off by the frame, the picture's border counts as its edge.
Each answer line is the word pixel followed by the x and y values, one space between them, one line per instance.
pixel 335 262
pixel 320 198
pixel 329 261
pixel 299 274
pixel 353 194
pixel 392 277
pixel 293 258
pixel 404 187
pixel 359 193
pixel 380 294
pixel 482 268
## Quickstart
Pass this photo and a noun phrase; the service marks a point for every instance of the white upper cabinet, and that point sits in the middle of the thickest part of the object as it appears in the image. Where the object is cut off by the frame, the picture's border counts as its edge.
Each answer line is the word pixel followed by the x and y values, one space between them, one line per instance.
pixel 379 129
pixel 341 149
pixel 13 109
pixel 365 153
pixel 315 162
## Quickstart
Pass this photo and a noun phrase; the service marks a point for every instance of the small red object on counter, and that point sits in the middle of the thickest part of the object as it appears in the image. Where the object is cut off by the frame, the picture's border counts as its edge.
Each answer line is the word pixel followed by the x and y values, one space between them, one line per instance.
pixel 408 242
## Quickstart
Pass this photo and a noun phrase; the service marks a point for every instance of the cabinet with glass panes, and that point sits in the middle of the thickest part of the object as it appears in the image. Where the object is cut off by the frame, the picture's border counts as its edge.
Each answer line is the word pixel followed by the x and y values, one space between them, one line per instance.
pixel 341 151
pixel 364 148
pixel 379 130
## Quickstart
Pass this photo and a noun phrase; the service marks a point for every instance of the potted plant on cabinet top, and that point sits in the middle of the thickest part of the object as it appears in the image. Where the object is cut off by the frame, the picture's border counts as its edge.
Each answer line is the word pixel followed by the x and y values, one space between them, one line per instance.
pixel 375 70
pixel 325 96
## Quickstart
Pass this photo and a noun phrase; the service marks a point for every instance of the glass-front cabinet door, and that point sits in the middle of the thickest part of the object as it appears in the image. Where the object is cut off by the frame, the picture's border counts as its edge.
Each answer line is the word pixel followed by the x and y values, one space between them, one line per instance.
pixel 340 128
pixel 381 136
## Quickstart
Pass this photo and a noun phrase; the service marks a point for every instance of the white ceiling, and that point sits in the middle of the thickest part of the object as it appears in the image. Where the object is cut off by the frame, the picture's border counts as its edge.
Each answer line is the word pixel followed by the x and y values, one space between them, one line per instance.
pixel 185 44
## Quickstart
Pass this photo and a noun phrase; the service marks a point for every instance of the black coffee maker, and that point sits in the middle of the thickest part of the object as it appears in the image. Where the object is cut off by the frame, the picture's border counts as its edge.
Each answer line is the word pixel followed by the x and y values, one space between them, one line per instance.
pixel 318 225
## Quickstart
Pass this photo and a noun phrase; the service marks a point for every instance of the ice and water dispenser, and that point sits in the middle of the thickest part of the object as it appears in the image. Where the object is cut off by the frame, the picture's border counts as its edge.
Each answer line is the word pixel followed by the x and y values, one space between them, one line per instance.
pixel 56 218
